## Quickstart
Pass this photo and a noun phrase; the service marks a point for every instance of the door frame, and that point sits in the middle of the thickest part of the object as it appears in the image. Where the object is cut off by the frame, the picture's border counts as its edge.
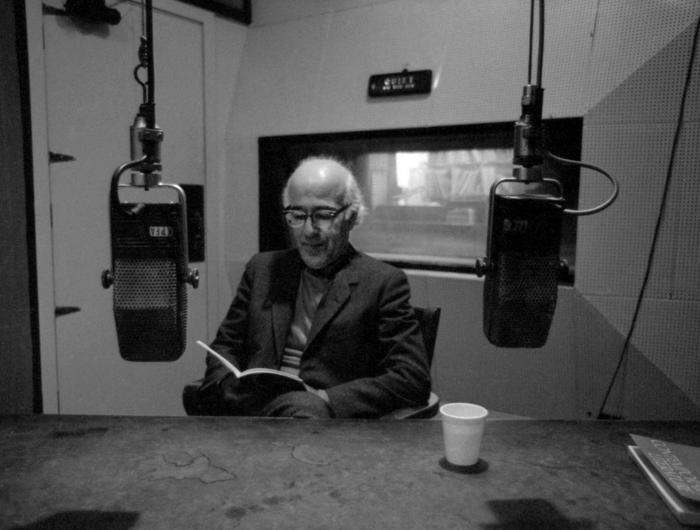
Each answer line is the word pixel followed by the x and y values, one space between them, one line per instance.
pixel 42 185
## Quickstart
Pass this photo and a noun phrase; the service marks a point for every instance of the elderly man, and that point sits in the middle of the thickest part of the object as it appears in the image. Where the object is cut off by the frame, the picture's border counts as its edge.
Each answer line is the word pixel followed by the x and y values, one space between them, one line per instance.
pixel 340 320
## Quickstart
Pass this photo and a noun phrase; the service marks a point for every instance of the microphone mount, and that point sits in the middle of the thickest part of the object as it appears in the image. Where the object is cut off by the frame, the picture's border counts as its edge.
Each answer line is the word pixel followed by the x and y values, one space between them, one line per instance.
pixel 528 136
pixel 145 144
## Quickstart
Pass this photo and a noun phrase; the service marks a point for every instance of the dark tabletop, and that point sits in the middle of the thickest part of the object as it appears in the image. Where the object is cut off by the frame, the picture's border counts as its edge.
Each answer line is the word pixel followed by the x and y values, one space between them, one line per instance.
pixel 143 472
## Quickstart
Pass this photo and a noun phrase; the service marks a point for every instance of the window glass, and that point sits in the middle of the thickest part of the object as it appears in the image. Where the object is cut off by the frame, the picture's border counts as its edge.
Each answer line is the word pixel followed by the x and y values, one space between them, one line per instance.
pixel 428 206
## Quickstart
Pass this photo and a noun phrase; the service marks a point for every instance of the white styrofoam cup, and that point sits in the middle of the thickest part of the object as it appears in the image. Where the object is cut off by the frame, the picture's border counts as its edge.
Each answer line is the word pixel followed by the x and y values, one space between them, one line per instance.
pixel 463 428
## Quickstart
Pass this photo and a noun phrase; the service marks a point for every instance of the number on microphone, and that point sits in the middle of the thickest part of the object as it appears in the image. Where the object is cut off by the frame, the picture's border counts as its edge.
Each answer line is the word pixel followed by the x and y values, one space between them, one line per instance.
pixel 519 226
pixel 160 231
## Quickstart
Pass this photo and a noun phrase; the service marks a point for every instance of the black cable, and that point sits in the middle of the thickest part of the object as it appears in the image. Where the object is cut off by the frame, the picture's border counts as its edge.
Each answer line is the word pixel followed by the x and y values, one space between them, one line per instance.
pixel 659 219
pixel 150 68
pixel 529 51
pixel 600 170
pixel 540 51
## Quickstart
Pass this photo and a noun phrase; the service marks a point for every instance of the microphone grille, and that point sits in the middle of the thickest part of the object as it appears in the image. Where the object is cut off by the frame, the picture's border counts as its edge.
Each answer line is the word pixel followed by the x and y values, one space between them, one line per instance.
pixel 525 293
pixel 145 283
pixel 150 308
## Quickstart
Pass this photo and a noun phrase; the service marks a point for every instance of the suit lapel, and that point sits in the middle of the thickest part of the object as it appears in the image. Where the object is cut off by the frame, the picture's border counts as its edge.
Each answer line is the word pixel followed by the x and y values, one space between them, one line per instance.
pixel 281 296
pixel 336 297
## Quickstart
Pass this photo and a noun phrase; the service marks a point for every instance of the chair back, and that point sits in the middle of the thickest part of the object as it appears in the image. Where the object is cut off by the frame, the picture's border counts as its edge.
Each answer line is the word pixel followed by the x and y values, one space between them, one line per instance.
pixel 429 321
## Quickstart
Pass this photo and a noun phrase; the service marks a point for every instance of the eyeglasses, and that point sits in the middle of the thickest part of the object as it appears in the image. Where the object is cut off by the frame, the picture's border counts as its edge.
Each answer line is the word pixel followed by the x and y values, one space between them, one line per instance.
pixel 321 217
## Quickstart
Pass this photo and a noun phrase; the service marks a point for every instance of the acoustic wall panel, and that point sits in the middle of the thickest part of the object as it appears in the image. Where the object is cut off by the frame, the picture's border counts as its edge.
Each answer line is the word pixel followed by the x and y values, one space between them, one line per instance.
pixel 652 93
pixel 673 352
pixel 627 34
pixel 613 245
pixel 686 208
pixel 630 133
pixel 598 344
pixel 652 395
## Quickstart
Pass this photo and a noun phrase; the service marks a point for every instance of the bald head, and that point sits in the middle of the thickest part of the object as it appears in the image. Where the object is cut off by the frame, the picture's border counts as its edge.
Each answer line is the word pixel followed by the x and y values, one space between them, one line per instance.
pixel 324 178
pixel 327 193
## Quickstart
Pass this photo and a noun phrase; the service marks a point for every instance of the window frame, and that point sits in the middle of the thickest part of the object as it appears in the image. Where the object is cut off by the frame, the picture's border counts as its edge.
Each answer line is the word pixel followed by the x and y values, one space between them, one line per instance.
pixel 278 156
pixel 239 10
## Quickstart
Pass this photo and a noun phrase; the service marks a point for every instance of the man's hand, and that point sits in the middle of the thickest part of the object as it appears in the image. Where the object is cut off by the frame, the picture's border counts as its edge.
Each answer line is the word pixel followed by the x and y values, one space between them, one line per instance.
pixel 319 392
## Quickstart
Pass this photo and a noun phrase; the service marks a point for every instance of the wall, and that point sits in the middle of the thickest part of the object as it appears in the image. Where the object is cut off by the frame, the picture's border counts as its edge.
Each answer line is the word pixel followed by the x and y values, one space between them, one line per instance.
pixel 618 64
pixel 17 324
pixel 630 131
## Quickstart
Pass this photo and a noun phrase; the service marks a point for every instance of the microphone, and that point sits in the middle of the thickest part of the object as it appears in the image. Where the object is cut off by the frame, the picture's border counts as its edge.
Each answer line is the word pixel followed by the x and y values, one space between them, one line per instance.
pixel 149 263
pixel 522 266
pixel 148 242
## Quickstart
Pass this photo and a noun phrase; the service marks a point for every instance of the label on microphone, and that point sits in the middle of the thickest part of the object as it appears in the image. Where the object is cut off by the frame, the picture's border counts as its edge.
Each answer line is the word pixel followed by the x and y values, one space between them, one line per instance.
pixel 160 231
pixel 519 226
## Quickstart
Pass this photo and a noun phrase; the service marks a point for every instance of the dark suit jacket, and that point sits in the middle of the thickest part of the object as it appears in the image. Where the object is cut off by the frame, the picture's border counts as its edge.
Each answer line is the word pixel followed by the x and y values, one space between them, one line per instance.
pixel 364 348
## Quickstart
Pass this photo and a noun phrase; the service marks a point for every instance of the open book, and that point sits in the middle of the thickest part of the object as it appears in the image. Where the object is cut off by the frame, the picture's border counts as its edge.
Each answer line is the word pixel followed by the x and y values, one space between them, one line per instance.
pixel 674 472
pixel 267 380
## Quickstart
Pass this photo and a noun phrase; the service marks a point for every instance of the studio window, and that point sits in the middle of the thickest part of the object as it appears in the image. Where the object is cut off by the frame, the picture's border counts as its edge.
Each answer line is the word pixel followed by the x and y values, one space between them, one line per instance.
pixel 426 190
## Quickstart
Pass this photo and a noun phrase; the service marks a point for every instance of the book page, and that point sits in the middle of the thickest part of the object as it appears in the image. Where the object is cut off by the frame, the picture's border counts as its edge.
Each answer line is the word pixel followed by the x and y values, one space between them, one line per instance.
pixel 221 359
pixel 269 373
pixel 270 383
